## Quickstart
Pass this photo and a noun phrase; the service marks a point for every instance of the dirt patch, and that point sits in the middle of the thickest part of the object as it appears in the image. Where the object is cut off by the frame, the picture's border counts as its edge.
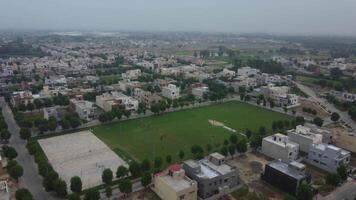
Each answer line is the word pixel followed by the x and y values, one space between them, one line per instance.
pixel 310 104
pixel 343 139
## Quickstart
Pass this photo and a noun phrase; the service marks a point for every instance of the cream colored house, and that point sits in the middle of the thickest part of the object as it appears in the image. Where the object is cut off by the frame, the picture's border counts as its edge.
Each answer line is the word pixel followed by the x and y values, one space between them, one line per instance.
pixel 172 184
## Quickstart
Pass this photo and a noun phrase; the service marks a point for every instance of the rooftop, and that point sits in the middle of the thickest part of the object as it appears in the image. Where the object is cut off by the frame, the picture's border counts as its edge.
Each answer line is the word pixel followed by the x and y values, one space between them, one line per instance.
pixel 286 169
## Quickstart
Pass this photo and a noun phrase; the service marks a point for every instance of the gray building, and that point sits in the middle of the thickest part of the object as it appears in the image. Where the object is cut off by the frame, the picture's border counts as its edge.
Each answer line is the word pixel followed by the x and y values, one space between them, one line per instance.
pixel 327 157
pixel 215 178
pixel 286 176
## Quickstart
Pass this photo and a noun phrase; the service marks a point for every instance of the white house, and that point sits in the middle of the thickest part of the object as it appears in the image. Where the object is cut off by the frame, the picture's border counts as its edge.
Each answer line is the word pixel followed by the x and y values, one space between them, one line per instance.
pixel 327 157
pixel 247 71
pixel 108 101
pixel 278 146
pixel 303 136
pixel 85 109
pixel 131 74
pixel 171 91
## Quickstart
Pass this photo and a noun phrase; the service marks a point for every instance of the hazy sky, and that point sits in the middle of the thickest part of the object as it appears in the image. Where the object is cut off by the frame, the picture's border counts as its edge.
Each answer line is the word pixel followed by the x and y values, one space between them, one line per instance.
pixel 274 16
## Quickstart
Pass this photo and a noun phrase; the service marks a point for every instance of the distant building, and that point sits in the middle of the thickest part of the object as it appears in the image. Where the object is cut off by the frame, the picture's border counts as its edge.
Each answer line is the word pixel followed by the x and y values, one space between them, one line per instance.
pixel 228 73
pixel 215 178
pixel 327 157
pixel 171 91
pixel 285 176
pixel 278 146
pixel 280 95
pixel 56 81
pixel 199 92
pixel 303 136
pixel 172 184
pixel 247 71
pixel 21 98
pixel 108 101
pixel 131 74
pixel 146 97
pixel 85 109
pixel 343 96
pixel 51 112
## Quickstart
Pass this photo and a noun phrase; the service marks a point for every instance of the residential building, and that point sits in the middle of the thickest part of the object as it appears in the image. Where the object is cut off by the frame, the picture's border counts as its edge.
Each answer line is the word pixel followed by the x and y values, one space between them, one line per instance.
pixel 285 176
pixel 326 133
pixel 344 96
pixel 55 81
pixel 247 71
pixel 215 178
pixel 146 97
pixel 327 157
pixel 171 91
pixel 228 73
pixel 173 184
pixel 199 92
pixel 107 101
pixel 21 98
pixel 131 74
pixel 85 109
pixel 303 136
pixel 280 95
pixel 278 146
pixel 51 112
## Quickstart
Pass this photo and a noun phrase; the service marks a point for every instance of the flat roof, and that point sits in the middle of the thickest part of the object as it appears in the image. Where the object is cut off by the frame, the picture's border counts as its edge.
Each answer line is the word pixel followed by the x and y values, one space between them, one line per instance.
pixel 177 184
pixel 284 167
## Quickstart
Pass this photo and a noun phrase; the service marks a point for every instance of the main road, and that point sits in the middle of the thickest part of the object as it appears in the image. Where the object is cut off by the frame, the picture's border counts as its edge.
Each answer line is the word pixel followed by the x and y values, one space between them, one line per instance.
pixel 344 116
pixel 30 179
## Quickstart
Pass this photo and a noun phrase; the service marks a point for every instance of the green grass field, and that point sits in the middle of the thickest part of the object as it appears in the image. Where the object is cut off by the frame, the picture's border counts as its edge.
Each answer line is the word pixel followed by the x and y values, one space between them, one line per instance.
pixel 167 134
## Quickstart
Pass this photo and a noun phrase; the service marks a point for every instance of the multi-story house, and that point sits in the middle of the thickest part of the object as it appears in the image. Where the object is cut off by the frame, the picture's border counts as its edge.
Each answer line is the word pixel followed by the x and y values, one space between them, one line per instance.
pixel 21 98
pixel 285 176
pixel 215 178
pixel 108 101
pixel 171 91
pixel 173 184
pixel 85 109
pixel 278 146
pixel 327 157
pixel 304 136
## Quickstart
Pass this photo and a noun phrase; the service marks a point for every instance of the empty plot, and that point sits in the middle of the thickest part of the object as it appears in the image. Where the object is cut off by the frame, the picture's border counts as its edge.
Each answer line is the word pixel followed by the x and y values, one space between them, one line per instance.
pixel 80 154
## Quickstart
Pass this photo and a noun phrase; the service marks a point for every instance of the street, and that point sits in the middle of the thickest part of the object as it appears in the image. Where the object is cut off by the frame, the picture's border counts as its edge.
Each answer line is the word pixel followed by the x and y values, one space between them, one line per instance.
pixel 30 179
pixel 329 107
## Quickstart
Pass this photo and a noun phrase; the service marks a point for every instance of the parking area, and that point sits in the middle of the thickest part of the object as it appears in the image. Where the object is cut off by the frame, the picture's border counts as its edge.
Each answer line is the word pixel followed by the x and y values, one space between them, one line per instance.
pixel 80 154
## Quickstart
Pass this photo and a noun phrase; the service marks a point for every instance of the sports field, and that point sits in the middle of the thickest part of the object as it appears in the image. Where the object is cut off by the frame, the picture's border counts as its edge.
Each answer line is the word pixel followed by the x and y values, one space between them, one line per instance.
pixel 167 134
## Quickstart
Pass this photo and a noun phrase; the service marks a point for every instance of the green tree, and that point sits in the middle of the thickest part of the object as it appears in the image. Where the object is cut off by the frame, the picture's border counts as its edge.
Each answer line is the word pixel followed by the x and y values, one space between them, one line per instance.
pixel 342 172
pixel 15 172
pixel 60 187
pixel 145 165
pixel 318 121
pixel 335 116
pixel 5 135
pixel 333 179
pixel 233 139
pixel 122 172
pixel 168 159
pixel 305 192
pixel 108 191
pixel 76 184
pixel 224 151
pixel 25 133
pixel 9 152
pixel 241 146
pixel 352 112
pixel 181 154
pixel 157 162
pixel 74 196
pixel 125 186
pixel 23 194
pixel 146 179
pixel 92 194
pixel 107 176
pixel 232 150
pixel 135 169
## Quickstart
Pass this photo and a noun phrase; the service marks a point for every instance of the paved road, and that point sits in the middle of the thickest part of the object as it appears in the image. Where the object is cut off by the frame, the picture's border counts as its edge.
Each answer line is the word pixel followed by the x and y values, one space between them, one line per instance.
pixel 321 101
pixel 31 179
pixel 346 191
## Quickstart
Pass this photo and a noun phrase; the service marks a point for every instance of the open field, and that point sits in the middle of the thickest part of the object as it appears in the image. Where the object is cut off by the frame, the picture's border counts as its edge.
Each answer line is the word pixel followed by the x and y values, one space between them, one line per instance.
pixel 167 134
pixel 80 154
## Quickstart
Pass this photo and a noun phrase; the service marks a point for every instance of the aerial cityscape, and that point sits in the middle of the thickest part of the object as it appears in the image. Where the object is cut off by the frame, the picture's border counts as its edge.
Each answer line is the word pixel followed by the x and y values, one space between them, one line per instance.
pixel 123 105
